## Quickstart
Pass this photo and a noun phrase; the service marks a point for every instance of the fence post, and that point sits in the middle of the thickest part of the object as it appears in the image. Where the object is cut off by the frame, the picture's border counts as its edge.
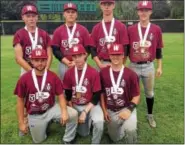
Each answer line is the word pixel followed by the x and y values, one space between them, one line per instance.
pixel 2 27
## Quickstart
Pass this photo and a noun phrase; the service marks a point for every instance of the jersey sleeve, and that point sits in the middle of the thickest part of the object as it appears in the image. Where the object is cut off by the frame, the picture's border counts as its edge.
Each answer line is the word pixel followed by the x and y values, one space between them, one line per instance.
pixel 124 35
pixel 58 86
pixel 134 83
pixel 102 82
pixel 87 41
pixel 16 39
pixel 160 40
pixel 67 81
pixel 48 40
pixel 93 37
pixel 56 38
pixel 20 88
pixel 96 82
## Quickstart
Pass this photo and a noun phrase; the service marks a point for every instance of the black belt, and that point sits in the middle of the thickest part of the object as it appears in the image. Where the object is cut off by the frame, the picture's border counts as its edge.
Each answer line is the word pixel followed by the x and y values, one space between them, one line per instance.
pixel 143 62
pixel 38 112
pixel 116 109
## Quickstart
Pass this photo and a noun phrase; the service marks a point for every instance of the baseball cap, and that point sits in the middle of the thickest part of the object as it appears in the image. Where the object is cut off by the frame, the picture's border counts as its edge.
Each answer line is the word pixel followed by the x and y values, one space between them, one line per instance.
pixel 38 53
pixel 29 9
pixel 107 1
pixel 70 6
pixel 144 5
pixel 77 49
pixel 116 49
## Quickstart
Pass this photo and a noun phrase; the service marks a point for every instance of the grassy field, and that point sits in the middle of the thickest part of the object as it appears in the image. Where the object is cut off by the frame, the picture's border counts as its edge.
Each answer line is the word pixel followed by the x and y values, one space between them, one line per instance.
pixel 168 108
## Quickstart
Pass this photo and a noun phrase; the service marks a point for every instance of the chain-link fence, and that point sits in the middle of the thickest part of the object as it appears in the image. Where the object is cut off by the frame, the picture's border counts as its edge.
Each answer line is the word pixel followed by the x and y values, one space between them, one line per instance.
pixel 10 27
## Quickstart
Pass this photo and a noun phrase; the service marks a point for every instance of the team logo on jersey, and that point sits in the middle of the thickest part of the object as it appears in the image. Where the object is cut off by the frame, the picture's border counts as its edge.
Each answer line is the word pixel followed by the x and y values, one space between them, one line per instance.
pixel 82 100
pixel 48 87
pixel 39 46
pixel 114 31
pixel 65 43
pixel 108 92
pixel 102 41
pixel 115 96
pixel 151 36
pixel 123 83
pixel 40 40
pixel 28 50
pixel 45 106
pixel 32 98
pixel 77 34
pixel 136 46
pixel 86 82
pixel 120 102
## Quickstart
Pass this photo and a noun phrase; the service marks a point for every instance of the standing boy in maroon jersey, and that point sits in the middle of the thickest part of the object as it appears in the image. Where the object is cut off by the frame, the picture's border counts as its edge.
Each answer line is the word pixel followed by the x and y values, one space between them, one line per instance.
pixel 36 91
pixel 145 46
pixel 82 88
pixel 120 96
pixel 30 37
pixel 67 35
pixel 107 32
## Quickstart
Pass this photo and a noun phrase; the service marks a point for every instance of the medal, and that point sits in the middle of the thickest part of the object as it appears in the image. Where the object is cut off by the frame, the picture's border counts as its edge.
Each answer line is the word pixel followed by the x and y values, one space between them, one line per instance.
pixel 108 37
pixel 143 40
pixel 33 42
pixel 115 89
pixel 79 88
pixel 71 35
pixel 40 95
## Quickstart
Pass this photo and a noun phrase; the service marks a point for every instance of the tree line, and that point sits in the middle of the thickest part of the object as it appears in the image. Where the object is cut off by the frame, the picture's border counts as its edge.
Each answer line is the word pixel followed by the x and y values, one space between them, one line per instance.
pixel 125 10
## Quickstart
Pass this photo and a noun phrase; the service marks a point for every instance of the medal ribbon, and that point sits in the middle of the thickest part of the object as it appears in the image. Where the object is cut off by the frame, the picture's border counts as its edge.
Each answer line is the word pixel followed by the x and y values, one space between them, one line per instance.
pixel 143 40
pixel 36 82
pixel 116 85
pixel 33 42
pixel 71 34
pixel 82 76
pixel 108 36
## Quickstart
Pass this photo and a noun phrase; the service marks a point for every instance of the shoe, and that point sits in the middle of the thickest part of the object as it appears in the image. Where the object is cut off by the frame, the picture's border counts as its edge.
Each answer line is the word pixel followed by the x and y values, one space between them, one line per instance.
pixel 151 120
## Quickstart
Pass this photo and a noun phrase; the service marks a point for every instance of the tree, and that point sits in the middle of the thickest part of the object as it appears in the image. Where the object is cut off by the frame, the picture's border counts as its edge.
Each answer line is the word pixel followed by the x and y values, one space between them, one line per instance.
pixel 161 9
pixel 177 9
pixel 11 10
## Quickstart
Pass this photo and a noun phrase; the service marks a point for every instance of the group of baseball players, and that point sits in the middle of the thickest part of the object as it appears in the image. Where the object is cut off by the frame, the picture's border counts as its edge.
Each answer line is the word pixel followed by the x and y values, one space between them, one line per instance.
pixel 87 96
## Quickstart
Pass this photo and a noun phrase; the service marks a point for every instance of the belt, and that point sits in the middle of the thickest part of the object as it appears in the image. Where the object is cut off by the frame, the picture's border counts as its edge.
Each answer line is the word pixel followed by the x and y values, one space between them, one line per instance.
pixel 116 109
pixel 143 62
pixel 38 112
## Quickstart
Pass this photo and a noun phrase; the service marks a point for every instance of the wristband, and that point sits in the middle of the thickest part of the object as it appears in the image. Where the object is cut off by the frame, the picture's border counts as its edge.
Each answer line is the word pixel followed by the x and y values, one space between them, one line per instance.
pixel 131 106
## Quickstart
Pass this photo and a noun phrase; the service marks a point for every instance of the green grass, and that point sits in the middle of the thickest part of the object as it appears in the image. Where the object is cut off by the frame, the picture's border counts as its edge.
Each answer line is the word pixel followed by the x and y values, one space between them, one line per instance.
pixel 168 108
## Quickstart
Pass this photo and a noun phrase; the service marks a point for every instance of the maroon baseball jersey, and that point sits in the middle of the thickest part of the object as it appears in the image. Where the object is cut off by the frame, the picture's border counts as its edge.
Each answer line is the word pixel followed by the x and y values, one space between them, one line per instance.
pixel 22 37
pixel 153 41
pixel 129 83
pixel 25 88
pixel 60 38
pixel 98 37
pixel 91 82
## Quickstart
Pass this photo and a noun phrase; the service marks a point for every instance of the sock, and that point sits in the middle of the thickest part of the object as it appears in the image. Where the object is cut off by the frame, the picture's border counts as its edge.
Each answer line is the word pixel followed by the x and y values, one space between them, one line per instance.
pixel 150 102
